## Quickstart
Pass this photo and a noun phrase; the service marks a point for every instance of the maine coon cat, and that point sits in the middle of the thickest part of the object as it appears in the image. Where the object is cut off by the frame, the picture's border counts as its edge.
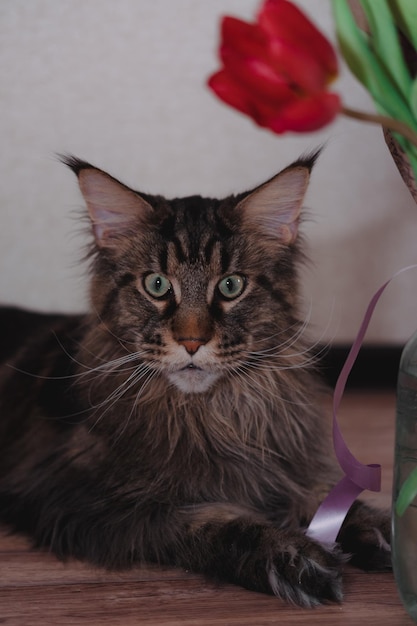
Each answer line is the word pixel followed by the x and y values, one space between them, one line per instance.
pixel 178 421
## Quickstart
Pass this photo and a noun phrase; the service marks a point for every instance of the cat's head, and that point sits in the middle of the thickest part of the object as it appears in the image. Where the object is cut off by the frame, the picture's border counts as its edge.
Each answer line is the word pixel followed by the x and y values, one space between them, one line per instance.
pixel 199 288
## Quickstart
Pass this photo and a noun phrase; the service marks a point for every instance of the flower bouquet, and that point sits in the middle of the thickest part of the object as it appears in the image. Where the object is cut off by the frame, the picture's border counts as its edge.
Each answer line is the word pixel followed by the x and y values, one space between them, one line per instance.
pixel 279 69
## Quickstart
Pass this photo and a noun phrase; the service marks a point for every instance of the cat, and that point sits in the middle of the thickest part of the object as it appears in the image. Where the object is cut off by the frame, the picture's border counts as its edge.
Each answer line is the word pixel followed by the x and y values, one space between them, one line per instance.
pixel 179 421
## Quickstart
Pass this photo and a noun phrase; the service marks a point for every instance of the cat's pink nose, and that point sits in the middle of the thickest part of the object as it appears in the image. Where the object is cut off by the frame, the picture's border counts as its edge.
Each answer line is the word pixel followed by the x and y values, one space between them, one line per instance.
pixel 191 345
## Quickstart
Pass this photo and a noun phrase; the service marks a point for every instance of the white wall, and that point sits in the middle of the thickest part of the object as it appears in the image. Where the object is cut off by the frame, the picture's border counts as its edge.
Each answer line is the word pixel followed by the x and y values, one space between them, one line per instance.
pixel 122 84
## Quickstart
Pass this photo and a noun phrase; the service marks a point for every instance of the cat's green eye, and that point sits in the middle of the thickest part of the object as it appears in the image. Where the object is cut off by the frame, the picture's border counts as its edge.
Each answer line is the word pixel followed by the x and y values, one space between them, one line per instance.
pixel 157 285
pixel 232 286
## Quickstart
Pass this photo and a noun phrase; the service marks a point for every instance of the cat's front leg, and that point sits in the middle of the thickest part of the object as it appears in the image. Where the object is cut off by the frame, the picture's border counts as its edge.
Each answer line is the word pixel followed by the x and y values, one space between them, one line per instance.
pixel 262 557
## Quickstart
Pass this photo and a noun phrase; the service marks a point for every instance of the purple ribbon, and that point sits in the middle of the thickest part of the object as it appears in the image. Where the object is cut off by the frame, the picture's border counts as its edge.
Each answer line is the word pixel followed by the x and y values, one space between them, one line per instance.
pixel 328 519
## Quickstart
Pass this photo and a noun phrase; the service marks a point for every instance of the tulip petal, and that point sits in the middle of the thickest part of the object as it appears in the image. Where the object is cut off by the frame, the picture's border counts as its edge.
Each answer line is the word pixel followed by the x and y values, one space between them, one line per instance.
pixel 224 85
pixel 250 41
pixel 306 115
pixel 284 21
pixel 245 39
pixel 277 63
pixel 300 69
pixel 226 88
pixel 243 45
pixel 257 77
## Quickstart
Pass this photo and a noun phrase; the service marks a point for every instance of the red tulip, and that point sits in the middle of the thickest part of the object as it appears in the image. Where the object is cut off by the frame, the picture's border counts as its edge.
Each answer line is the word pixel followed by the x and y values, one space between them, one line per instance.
pixel 277 70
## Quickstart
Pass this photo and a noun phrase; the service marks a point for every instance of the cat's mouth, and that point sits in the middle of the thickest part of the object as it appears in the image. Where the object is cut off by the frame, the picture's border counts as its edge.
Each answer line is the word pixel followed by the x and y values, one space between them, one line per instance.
pixel 191 366
pixel 193 379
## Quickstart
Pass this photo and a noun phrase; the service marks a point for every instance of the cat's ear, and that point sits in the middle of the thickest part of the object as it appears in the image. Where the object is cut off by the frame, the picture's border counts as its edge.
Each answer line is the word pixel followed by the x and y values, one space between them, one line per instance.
pixel 115 210
pixel 274 208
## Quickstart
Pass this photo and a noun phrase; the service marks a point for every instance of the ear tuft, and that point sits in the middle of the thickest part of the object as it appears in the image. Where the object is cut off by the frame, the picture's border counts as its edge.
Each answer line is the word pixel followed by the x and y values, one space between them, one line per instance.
pixel 75 164
pixel 308 159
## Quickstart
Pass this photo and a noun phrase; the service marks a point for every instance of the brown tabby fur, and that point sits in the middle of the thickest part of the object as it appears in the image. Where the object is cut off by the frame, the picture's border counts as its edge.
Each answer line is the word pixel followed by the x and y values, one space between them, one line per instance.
pixel 179 426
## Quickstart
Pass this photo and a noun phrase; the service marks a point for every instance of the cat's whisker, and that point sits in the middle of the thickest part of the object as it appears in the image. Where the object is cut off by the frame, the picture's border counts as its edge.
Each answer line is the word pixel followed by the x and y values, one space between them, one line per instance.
pixel 117 394
pixel 297 360
pixel 130 381
pixel 145 384
pixel 104 325
pixel 243 374
pixel 281 368
pixel 106 364
pixel 312 358
pixel 248 367
pixel 114 363
pixel 314 351
pixel 80 344
pixel 285 330
pixel 277 360
pixel 300 328
pixel 113 367
pixel 289 342
pixel 117 365
pixel 319 343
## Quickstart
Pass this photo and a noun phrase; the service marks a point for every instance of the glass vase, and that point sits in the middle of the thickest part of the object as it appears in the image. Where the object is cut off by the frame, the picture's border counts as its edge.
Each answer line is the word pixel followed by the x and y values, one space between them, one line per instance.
pixel 404 509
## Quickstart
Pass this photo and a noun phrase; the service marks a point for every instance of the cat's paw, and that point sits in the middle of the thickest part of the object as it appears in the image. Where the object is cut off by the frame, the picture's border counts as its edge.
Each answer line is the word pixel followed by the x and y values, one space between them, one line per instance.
pixel 306 573
pixel 366 536
pixel 264 558
pixel 290 565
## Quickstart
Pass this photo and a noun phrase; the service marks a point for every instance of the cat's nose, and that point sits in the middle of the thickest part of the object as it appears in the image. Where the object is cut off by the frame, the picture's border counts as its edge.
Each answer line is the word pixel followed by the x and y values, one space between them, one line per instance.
pixel 191 344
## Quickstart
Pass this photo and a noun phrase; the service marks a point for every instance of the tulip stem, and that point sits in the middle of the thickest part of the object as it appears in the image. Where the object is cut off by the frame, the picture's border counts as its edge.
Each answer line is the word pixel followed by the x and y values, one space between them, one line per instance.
pixel 387 122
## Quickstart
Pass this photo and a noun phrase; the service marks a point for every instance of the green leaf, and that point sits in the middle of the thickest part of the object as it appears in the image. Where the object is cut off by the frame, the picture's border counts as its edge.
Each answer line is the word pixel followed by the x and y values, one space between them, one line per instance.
pixel 413 98
pixel 407 493
pixel 363 63
pixel 405 13
pixel 385 43
pixel 353 43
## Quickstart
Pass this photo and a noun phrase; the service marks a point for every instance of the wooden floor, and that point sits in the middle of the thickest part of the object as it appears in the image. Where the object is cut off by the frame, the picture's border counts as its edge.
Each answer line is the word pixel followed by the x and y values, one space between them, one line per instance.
pixel 36 589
